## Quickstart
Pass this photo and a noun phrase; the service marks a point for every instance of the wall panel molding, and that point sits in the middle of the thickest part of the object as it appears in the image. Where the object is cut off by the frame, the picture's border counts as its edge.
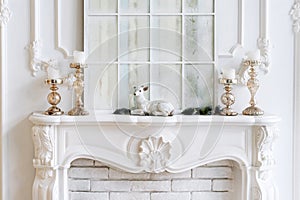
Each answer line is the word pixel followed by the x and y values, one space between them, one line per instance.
pixel 229 53
pixel 5 15
pixel 295 16
pixel 263 42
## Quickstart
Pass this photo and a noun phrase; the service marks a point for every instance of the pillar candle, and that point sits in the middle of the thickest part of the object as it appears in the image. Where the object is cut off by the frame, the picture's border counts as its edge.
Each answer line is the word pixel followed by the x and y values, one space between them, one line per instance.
pixel 228 73
pixel 79 57
pixel 53 73
pixel 253 55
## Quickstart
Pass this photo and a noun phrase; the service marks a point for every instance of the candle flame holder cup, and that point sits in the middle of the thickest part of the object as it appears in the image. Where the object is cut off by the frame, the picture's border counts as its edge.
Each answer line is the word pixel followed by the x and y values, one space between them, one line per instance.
pixel 54 97
pixel 228 98
pixel 78 86
pixel 253 85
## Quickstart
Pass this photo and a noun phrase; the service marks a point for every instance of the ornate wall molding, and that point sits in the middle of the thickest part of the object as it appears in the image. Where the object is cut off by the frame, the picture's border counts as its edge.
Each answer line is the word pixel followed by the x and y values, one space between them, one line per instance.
pixel 263 42
pixel 37 62
pixel 43 141
pixel 240 33
pixel 154 154
pixel 295 17
pixel 265 136
pixel 5 14
pixel 43 146
pixel 295 14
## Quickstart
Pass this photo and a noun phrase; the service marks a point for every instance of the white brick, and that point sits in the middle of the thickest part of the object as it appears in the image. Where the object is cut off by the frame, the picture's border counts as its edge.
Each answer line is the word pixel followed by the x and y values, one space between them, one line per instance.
pixel 169 176
pixel 79 185
pixel 212 172
pixel 129 196
pixel 191 185
pixel 99 164
pixel 157 186
pixel 222 163
pixel 222 185
pixel 117 186
pixel 171 196
pixel 83 163
pixel 211 195
pixel 88 196
pixel 88 173
pixel 116 174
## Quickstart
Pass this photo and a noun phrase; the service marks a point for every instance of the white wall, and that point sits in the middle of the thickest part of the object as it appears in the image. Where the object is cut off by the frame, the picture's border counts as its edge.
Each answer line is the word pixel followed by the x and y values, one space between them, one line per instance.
pixel 25 94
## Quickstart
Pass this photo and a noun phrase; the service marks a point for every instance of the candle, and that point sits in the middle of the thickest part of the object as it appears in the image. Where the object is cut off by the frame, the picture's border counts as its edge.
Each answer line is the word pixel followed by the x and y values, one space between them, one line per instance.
pixel 53 73
pixel 79 57
pixel 253 55
pixel 228 73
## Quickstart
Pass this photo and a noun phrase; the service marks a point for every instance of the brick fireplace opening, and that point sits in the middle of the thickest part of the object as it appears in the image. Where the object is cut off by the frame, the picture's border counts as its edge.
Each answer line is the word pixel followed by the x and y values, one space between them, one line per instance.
pixel 89 179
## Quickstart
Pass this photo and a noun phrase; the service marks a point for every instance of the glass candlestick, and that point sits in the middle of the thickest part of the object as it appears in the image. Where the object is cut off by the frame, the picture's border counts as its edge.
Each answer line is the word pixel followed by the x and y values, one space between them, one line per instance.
pixel 54 97
pixel 228 98
pixel 78 86
pixel 253 85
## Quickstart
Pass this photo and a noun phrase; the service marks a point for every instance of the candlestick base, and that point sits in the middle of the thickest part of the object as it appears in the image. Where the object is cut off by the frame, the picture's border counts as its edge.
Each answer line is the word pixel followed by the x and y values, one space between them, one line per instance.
pixel 253 111
pixel 53 110
pixel 228 112
pixel 78 111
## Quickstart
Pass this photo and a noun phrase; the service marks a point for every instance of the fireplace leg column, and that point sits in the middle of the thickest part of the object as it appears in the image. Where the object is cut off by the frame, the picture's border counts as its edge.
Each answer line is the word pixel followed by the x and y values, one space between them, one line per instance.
pixel 262 186
pixel 44 186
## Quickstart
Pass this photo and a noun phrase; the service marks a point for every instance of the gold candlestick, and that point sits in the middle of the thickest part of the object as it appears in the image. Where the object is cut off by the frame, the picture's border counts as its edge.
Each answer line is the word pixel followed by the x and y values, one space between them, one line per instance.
pixel 253 85
pixel 228 98
pixel 54 97
pixel 78 85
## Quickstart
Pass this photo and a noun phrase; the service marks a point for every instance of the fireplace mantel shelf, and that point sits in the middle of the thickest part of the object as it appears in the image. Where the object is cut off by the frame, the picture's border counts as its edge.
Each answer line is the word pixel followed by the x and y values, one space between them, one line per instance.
pixel 153 144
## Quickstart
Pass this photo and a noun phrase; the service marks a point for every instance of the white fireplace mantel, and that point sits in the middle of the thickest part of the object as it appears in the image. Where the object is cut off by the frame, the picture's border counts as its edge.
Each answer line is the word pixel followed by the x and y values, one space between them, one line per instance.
pixel 153 144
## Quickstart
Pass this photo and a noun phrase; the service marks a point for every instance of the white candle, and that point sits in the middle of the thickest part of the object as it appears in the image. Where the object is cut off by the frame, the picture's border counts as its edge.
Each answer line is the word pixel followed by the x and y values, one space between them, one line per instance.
pixel 79 57
pixel 253 55
pixel 228 73
pixel 53 73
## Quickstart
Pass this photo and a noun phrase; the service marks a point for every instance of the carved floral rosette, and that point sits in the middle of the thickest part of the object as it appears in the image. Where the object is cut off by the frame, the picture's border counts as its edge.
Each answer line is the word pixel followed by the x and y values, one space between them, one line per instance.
pixel 154 154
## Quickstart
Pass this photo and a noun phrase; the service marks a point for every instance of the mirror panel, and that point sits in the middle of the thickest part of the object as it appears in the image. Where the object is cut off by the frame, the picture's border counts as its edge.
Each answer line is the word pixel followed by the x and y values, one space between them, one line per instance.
pixel 132 6
pixel 166 6
pixel 102 41
pixel 166 38
pixel 199 6
pixel 199 38
pixel 103 6
pixel 166 83
pixel 134 38
pixel 198 85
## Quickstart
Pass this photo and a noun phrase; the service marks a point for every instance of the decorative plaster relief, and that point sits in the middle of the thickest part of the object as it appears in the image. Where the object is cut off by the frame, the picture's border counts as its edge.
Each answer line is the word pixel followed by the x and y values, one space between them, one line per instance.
pixel 36 63
pixel 5 14
pixel 265 49
pixel 265 137
pixel 295 14
pixel 154 154
pixel 43 146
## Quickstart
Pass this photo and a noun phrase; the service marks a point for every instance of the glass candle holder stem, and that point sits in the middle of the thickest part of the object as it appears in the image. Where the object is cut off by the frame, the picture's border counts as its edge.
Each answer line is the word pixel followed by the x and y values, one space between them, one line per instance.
pixel 54 97
pixel 78 86
pixel 253 85
pixel 228 98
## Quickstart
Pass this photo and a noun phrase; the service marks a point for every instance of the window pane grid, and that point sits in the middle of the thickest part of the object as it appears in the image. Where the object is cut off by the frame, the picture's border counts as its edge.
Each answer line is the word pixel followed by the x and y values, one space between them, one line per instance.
pixel 153 60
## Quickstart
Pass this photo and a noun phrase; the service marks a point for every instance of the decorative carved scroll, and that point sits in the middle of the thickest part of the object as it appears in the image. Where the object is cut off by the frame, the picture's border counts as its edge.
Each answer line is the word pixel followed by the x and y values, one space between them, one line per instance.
pixel 154 154
pixel 43 162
